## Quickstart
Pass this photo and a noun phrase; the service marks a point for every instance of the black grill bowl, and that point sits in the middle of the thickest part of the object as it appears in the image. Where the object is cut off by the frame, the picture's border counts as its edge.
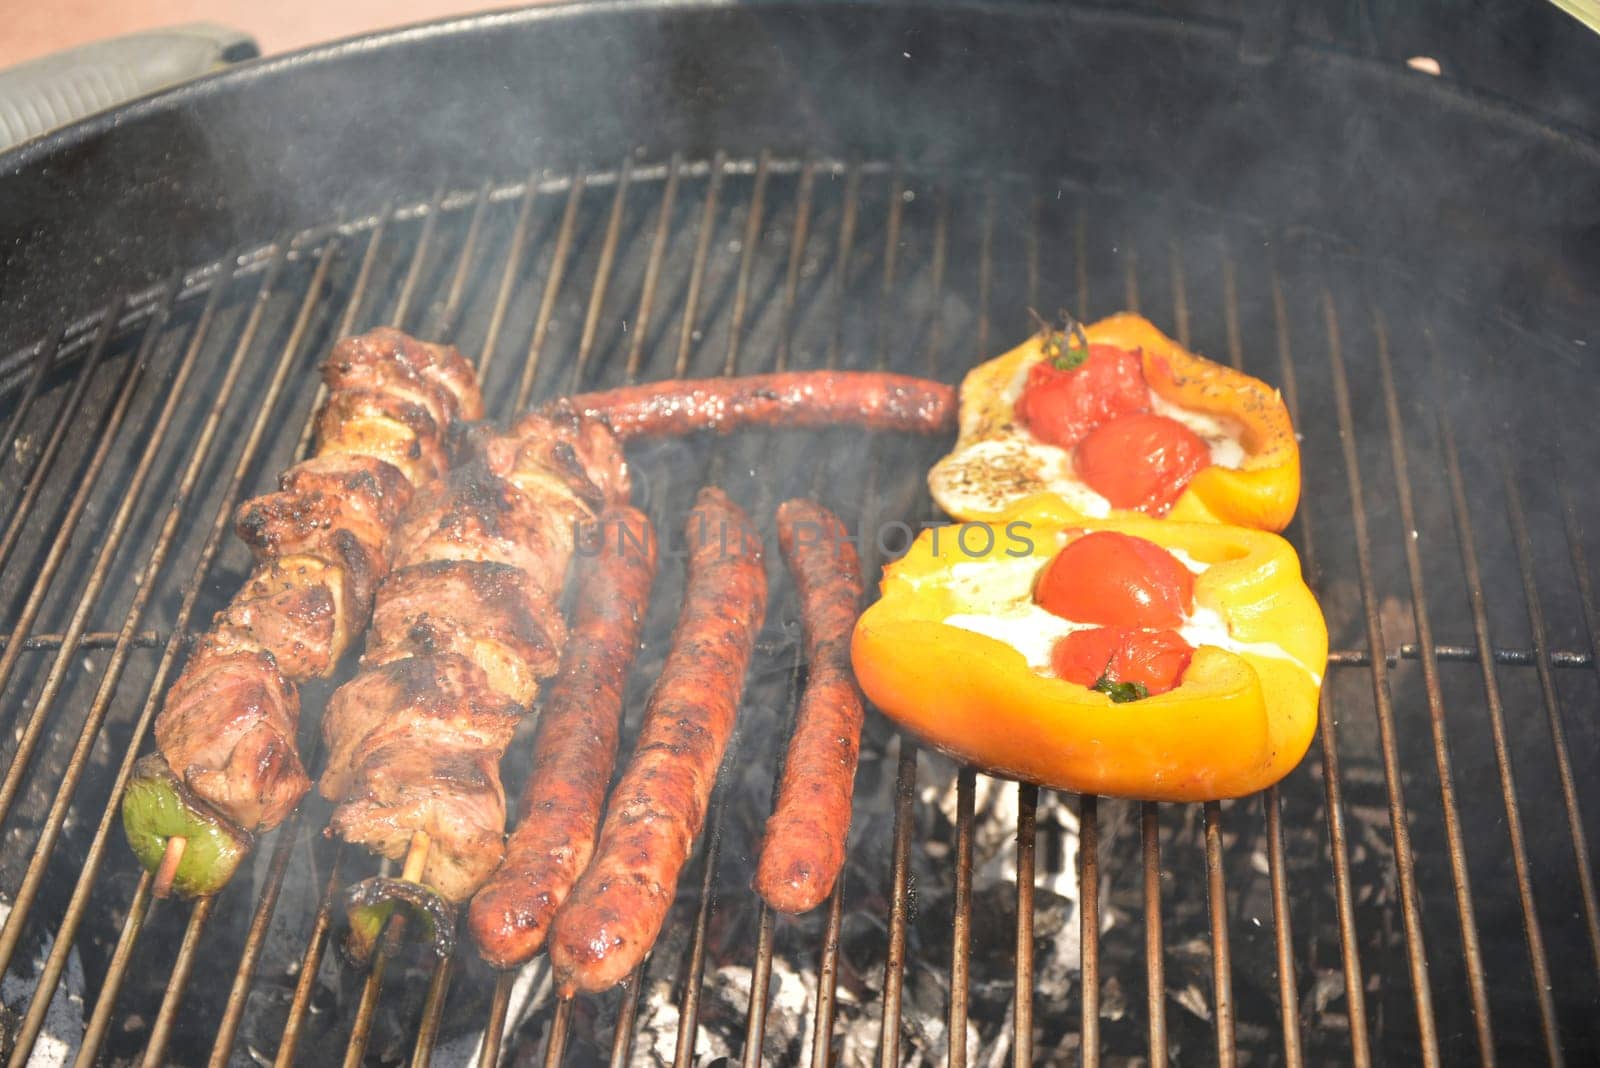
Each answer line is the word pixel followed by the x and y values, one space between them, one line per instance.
pixel 583 196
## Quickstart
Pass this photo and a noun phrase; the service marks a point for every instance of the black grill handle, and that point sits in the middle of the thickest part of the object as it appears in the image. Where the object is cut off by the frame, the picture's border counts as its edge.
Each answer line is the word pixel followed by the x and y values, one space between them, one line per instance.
pixel 42 94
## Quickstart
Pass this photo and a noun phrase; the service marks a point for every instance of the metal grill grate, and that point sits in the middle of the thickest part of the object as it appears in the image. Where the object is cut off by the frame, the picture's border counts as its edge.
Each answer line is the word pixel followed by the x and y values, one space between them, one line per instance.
pixel 1359 912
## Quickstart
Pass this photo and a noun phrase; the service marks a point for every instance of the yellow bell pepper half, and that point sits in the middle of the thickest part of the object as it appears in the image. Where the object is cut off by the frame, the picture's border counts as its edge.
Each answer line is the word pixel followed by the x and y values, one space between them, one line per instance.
pixel 1261 492
pixel 1238 721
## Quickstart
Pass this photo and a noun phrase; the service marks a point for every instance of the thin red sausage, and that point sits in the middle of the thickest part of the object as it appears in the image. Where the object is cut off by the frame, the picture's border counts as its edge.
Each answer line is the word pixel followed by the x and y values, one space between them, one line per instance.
pixel 805 840
pixel 871 399
pixel 615 912
pixel 575 748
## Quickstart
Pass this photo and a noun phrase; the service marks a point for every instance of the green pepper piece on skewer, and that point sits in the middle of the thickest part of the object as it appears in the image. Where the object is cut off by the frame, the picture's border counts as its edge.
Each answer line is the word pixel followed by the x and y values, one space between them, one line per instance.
pixel 418 910
pixel 157 807
pixel 369 905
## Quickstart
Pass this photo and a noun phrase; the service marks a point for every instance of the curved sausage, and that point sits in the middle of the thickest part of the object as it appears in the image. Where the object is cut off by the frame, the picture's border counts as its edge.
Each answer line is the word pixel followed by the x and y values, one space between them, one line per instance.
pixel 805 840
pixel 616 911
pixel 872 399
pixel 575 748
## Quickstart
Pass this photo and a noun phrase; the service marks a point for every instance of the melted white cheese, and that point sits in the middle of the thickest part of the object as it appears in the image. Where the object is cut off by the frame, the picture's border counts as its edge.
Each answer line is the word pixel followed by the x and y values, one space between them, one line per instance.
pixel 988 476
pixel 1001 594
pixel 1219 433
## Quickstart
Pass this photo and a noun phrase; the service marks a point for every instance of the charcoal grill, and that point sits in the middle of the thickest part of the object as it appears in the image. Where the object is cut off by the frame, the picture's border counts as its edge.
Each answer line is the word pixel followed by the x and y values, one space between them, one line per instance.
pixel 1419 890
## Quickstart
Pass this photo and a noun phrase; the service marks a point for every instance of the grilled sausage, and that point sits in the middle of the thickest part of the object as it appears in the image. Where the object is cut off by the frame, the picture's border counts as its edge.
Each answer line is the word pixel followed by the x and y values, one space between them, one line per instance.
pixel 805 839
pixel 575 748
pixel 615 912
pixel 871 399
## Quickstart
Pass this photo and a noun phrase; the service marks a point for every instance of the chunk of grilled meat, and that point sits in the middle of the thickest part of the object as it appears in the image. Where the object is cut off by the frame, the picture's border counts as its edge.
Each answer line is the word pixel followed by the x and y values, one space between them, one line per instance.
pixel 464 629
pixel 321 543
pixel 228 730
pixel 414 745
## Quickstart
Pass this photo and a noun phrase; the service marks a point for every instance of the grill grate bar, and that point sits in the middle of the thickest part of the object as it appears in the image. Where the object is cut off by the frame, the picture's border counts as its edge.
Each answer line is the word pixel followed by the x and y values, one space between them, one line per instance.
pixel 1022 1014
pixel 827 979
pixel 558 1032
pixel 602 275
pixel 177 982
pixel 622 1039
pixel 408 289
pixel 1089 926
pixel 1221 957
pixel 1155 970
pixel 847 236
pixel 895 964
pixel 797 249
pixel 1552 705
pixel 1410 910
pixel 433 1014
pixel 747 262
pixel 1333 783
pixel 697 273
pixel 508 277
pixel 1462 654
pixel 94 639
pixel 310 964
pixel 447 318
pixel 1471 953
pixel 1288 988
pixel 222 1047
pixel 961 923
pixel 652 271
pixel 1180 293
pixel 552 287
pixel 94 1034
pixel 755 1027
pixel 494 1027
pixel 689 1007
pixel 1537 959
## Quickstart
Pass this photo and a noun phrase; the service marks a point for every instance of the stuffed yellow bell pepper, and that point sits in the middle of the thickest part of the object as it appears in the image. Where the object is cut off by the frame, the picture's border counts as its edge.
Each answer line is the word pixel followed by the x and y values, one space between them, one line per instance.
pixel 1119 419
pixel 1132 657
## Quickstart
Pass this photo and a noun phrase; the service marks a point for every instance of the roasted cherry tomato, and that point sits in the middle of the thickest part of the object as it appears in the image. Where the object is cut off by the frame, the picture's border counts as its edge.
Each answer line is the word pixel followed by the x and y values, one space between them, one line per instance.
pixel 1059 406
pixel 1103 658
pixel 1141 461
pixel 1116 580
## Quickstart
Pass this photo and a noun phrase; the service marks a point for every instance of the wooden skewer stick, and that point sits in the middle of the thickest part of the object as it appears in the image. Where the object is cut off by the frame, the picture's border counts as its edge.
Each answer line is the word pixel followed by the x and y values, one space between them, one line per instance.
pixel 169 865
pixel 411 872
pixel 416 857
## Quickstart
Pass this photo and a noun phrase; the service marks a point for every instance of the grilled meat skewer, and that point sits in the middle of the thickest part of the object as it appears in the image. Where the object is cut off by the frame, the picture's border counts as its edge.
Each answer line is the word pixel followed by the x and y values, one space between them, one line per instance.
pixel 465 627
pixel 575 748
pixel 806 835
pixel 227 763
pixel 615 912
